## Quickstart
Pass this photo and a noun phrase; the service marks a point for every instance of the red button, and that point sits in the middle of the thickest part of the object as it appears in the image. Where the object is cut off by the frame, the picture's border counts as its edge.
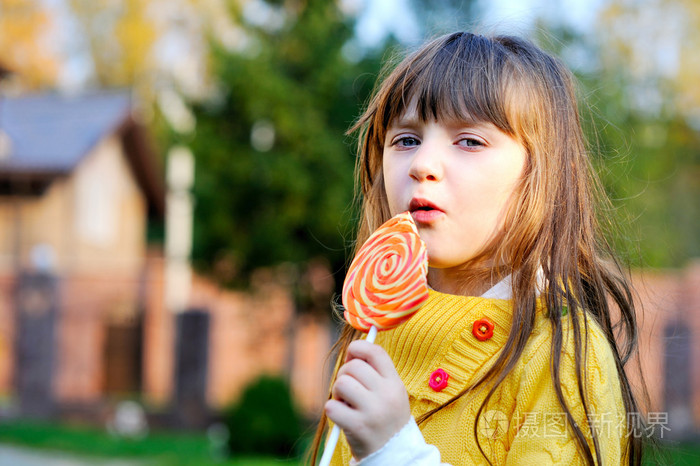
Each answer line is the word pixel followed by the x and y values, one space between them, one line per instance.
pixel 438 380
pixel 483 329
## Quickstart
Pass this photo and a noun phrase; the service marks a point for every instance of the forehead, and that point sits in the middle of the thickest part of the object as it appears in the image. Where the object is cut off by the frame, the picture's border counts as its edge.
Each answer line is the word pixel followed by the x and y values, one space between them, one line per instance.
pixel 411 115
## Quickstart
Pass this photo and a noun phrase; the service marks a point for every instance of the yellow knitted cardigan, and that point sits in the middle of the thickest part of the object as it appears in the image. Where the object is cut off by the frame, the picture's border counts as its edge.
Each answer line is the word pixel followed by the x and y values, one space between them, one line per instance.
pixel 523 423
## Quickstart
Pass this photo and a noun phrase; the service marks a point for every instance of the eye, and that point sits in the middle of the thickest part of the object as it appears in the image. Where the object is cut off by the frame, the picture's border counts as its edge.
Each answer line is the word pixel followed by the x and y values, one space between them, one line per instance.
pixel 470 142
pixel 406 141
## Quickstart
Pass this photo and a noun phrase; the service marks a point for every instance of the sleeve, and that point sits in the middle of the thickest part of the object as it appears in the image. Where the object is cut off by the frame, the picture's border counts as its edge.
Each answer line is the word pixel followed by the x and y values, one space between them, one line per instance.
pixel 406 448
pixel 543 434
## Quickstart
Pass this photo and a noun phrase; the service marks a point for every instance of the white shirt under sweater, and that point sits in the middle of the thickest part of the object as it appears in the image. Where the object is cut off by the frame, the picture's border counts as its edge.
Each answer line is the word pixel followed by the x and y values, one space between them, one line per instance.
pixel 407 447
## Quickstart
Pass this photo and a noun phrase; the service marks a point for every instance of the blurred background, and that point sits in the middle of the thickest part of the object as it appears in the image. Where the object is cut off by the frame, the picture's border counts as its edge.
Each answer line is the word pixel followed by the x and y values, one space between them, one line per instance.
pixel 176 209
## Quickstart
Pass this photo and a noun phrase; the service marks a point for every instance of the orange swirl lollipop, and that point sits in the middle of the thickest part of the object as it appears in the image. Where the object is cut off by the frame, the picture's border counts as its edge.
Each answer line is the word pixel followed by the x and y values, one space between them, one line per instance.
pixel 387 280
pixel 385 285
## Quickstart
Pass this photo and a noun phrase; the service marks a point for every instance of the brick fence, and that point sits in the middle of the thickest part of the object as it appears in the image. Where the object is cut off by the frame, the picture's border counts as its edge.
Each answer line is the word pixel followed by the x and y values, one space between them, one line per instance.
pixel 114 336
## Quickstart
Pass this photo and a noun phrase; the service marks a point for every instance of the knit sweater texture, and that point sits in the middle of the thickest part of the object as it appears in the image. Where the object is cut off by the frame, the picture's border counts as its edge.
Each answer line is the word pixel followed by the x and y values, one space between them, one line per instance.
pixel 523 423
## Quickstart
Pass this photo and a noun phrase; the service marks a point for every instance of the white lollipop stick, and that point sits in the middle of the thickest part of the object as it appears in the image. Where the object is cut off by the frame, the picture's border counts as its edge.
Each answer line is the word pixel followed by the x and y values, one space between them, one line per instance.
pixel 335 432
pixel 330 446
pixel 372 334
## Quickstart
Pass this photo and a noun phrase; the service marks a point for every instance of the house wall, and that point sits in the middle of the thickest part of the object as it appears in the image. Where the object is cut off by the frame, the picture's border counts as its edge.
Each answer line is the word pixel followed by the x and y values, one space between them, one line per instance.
pixel 109 214
pixel 91 220
pixel 251 334
pixel 669 299
pixel 26 222
pixel 103 267
pixel 89 229
pixel 89 303
pixel 7 334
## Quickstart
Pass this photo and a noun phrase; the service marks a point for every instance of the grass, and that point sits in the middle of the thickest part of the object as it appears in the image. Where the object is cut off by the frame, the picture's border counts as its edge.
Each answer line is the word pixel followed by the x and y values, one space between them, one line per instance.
pixel 180 449
pixel 676 454
pixel 158 448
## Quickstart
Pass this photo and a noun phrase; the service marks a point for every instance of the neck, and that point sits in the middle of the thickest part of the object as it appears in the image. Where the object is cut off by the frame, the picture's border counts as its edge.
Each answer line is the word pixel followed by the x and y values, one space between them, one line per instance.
pixel 458 281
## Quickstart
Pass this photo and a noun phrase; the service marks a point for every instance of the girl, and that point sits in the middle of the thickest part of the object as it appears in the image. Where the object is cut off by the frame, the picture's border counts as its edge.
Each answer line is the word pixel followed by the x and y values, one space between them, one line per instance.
pixel 518 355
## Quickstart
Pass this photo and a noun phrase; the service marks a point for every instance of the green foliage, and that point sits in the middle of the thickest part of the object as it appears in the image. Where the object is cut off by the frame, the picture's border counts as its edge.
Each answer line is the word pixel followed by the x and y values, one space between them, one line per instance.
pixel 651 169
pixel 648 160
pixel 264 421
pixel 647 156
pixel 291 201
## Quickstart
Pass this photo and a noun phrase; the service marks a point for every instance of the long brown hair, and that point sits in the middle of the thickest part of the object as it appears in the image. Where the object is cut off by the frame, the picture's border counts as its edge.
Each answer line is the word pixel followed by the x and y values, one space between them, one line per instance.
pixel 551 224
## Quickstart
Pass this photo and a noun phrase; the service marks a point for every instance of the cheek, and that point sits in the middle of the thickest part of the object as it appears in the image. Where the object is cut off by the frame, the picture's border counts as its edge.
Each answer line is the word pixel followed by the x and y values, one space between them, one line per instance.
pixel 391 186
pixel 503 186
pixel 485 205
pixel 510 198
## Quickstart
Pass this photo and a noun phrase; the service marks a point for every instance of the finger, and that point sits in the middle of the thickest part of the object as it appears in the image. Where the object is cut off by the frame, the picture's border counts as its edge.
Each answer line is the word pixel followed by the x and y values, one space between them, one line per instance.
pixel 341 414
pixel 350 391
pixel 374 355
pixel 360 370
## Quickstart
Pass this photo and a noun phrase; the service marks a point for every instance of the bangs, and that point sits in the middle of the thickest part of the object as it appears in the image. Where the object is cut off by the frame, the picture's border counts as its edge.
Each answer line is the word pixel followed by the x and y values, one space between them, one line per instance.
pixel 462 78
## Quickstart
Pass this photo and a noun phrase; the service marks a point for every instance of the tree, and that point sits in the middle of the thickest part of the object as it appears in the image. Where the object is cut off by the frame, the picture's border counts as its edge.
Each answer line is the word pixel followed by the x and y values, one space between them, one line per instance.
pixel 656 121
pixel 663 57
pixel 274 176
pixel 644 143
pixel 147 45
pixel 25 49
pixel 119 38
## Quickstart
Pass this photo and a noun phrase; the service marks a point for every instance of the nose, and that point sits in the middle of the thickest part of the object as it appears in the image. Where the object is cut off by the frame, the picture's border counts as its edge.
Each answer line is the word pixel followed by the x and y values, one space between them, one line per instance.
pixel 426 164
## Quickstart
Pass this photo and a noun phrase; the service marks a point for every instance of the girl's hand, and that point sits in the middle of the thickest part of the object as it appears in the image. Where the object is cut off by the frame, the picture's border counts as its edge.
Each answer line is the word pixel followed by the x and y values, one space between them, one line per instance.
pixel 369 401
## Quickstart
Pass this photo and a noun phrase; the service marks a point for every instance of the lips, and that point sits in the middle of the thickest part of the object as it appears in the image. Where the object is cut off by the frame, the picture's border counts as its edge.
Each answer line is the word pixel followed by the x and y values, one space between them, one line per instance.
pixel 424 211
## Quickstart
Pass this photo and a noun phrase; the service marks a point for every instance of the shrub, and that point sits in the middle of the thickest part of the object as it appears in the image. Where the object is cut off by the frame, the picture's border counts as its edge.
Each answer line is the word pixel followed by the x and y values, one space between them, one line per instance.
pixel 264 421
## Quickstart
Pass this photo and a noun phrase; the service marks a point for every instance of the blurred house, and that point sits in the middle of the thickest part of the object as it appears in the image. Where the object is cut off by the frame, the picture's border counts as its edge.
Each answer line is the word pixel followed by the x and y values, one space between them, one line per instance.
pixel 82 314
pixel 78 182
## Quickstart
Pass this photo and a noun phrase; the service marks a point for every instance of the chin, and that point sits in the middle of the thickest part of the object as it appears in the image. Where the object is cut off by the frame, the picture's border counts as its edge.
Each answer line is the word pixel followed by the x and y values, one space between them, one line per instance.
pixel 437 260
pixel 442 264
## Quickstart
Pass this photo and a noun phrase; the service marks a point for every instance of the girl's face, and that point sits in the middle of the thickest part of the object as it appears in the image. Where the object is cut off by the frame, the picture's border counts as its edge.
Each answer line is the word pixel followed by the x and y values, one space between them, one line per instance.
pixel 456 179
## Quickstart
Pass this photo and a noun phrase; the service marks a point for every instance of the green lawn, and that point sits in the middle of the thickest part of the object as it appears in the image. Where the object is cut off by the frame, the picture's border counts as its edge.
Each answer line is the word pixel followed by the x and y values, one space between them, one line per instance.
pixel 175 449
pixel 676 454
pixel 157 448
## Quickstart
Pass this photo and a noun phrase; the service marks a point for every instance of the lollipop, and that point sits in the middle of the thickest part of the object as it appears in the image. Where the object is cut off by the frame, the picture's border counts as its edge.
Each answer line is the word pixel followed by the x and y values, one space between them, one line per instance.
pixel 385 285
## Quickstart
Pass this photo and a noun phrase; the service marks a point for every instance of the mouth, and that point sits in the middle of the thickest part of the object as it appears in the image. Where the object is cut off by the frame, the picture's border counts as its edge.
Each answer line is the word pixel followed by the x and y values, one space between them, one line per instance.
pixel 424 211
